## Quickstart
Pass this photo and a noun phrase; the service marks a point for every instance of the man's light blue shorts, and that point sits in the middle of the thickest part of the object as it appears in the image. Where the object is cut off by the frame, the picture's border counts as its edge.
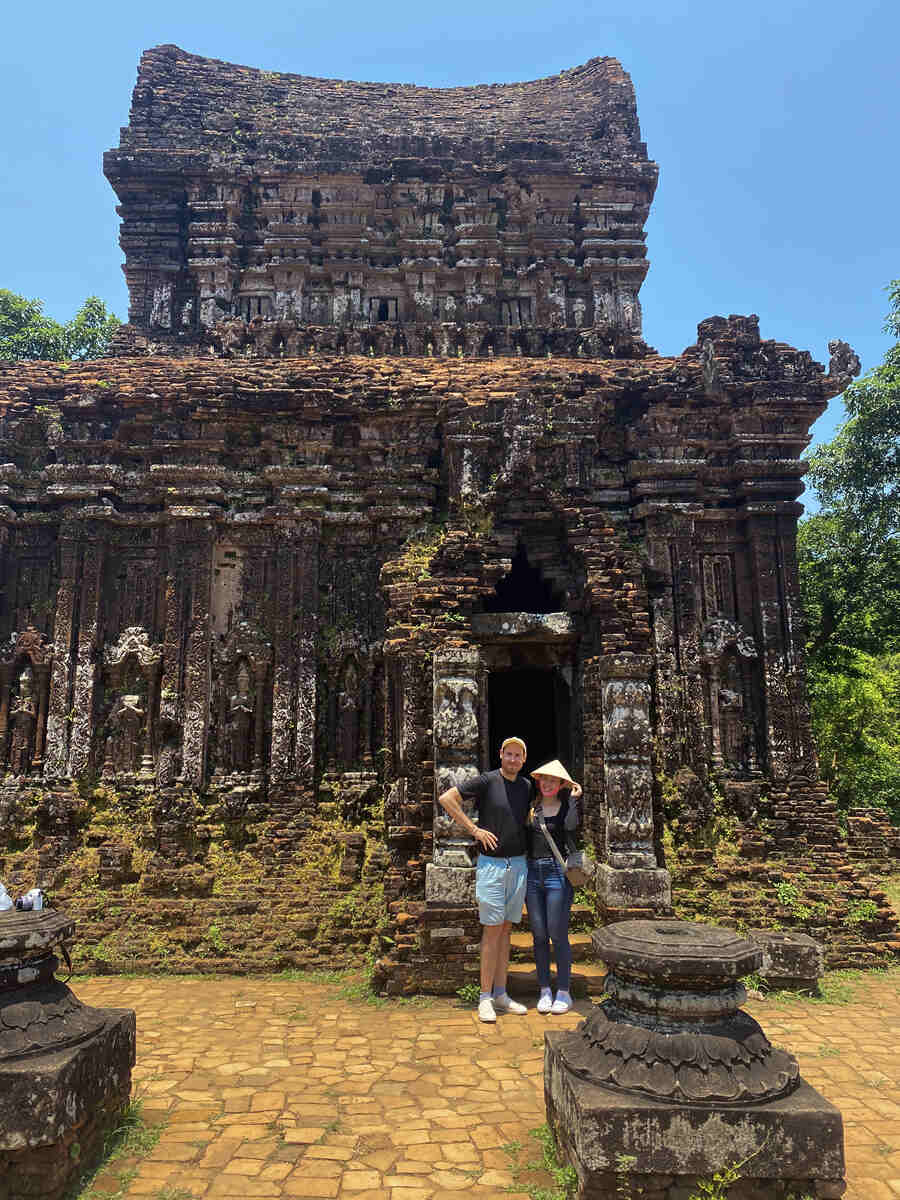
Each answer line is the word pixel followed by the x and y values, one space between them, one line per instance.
pixel 500 888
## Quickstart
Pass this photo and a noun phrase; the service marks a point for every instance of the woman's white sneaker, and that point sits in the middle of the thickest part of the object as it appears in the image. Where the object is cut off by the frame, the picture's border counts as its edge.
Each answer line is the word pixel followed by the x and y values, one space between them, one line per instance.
pixel 503 1004
pixel 545 1003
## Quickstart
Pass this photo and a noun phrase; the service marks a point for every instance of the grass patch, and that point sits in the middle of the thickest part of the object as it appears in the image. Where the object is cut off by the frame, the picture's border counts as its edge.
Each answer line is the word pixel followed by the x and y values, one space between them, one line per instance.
pixel 563 1180
pixel 838 987
pixel 891 888
pixel 125 1146
pixel 312 975
pixel 359 988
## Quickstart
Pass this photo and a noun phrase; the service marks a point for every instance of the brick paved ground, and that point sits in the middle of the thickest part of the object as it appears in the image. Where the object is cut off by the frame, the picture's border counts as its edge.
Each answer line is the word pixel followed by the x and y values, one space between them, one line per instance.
pixel 285 1089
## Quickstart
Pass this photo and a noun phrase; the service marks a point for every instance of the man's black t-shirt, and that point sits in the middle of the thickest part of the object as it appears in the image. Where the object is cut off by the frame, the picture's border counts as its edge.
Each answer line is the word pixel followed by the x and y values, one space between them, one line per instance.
pixel 502 807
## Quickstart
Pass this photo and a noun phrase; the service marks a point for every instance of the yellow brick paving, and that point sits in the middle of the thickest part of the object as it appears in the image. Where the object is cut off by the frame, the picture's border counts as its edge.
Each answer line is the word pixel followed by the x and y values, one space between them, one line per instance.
pixel 284 1089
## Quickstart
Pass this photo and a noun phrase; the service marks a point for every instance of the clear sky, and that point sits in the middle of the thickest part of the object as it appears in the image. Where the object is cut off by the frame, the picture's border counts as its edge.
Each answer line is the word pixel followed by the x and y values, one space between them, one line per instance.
pixel 775 126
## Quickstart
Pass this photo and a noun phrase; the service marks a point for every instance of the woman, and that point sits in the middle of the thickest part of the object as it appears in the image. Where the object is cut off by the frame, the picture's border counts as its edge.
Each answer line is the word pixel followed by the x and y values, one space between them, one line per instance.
pixel 548 894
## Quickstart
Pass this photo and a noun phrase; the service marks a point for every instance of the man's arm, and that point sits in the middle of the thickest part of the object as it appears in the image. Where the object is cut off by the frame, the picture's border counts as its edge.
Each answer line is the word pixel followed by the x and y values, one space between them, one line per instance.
pixel 451 802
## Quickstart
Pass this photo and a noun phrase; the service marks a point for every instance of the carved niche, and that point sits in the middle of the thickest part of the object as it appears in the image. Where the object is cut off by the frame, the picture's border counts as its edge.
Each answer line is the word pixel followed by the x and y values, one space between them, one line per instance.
pixel 727 652
pixel 455 721
pixel 242 666
pixel 131 672
pixel 25 660
pixel 350 705
pixel 626 717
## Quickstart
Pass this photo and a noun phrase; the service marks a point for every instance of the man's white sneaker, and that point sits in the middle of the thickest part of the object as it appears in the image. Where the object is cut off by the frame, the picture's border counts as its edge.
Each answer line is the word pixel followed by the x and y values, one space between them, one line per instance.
pixel 503 1004
pixel 486 1010
pixel 545 1003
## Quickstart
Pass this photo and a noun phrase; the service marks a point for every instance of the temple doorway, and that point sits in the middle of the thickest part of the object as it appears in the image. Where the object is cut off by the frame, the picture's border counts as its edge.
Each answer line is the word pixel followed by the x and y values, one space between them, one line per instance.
pixel 535 704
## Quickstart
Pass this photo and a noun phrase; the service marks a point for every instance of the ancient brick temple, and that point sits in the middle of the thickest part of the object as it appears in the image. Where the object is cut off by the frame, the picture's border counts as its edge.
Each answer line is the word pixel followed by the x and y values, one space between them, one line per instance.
pixel 382 472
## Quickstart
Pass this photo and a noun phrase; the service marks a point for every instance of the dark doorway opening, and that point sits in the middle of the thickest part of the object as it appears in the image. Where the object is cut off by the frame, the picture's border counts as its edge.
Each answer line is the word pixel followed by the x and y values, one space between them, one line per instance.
pixel 535 704
pixel 524 589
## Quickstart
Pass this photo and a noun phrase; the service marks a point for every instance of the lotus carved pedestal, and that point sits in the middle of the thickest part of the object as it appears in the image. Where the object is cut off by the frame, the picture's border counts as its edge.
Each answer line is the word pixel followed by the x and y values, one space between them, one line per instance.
pixel 669 1081
pixel 65 1068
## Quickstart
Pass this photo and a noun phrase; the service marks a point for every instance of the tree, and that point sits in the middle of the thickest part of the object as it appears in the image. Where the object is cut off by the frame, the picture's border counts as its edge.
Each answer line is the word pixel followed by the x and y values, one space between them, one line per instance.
pixel 26 333
pixel 849 559
pixel 24 330
pixel 90 331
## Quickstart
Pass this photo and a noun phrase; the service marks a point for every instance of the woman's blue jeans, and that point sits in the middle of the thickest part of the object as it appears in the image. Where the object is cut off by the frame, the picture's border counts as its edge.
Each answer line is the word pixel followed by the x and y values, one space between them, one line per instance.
pixel 548 896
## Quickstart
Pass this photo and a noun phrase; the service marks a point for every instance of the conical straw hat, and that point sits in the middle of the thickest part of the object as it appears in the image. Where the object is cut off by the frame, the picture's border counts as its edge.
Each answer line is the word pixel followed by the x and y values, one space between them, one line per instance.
pixel 555 770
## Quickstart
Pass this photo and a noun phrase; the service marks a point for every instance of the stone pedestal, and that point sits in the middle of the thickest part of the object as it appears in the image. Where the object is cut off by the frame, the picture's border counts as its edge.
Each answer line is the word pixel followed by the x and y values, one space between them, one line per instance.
pixel 668 1081
pixel 65 1069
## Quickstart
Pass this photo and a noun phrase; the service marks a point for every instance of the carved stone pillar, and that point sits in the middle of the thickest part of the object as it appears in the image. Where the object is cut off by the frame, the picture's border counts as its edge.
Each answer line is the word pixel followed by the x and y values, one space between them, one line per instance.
pixel 59 702
pixel 457 680
pixel 42 682
pixel 148 757
pixel 5 686
pixel 259 713
pixel 87 637
pixel 365 716
pixel 190 542
pixel 788 741
pixel 294 668
pixel 630 881
pixel 714 724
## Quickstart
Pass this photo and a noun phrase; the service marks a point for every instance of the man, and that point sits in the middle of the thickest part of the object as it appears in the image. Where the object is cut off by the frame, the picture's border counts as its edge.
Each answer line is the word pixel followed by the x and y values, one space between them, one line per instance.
pixel 502 801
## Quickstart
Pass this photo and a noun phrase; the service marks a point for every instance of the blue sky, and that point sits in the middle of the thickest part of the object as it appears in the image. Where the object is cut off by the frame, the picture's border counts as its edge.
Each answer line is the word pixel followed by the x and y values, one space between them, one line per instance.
pixel 775 127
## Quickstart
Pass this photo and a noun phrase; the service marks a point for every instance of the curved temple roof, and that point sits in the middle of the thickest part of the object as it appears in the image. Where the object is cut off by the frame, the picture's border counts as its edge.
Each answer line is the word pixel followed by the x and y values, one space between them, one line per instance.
pixel 583 120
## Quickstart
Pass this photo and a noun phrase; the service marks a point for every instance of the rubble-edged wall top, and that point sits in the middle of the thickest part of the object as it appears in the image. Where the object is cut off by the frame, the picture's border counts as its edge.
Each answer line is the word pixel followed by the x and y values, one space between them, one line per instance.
pixel 575 121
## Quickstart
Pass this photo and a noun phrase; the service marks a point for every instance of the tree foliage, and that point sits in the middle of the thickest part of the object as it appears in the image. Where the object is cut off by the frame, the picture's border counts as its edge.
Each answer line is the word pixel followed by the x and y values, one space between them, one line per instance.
pixel 849 559
pixel 27 333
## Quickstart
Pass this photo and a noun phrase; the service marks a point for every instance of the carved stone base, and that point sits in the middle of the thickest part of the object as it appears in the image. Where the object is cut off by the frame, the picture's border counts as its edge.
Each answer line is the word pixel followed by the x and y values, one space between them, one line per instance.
pixel 51 1101
pixel 790 1145
pixel 629 891
pixel 449 885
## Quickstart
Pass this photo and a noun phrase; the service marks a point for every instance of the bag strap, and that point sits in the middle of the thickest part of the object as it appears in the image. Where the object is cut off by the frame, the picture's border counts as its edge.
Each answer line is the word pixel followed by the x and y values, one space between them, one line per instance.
pixel 549 838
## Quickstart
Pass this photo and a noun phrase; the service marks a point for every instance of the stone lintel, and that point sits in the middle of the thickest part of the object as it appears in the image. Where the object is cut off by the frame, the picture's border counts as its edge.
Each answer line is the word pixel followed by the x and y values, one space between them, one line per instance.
pixel 449 885
pixel 636 888
pixel 535 627
pixel 798 1137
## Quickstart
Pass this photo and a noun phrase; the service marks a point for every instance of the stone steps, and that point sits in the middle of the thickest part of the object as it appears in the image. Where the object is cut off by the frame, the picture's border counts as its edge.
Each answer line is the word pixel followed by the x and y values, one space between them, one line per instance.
pixel 587 979
pixel 582 916
pixel 521 947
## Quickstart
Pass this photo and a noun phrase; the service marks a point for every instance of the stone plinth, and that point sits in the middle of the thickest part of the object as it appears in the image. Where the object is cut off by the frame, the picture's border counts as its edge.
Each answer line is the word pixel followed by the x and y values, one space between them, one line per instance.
pixel 65 1069
pixel 790 959
pixel 668 1081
